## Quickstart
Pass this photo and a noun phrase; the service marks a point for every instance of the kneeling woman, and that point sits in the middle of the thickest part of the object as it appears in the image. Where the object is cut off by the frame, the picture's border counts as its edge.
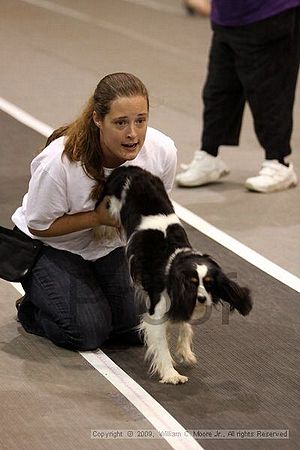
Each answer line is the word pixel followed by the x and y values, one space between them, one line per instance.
pixel 78 294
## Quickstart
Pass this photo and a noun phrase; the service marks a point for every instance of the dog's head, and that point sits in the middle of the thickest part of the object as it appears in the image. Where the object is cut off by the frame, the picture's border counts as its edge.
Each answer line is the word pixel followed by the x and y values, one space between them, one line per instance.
pixel 196 281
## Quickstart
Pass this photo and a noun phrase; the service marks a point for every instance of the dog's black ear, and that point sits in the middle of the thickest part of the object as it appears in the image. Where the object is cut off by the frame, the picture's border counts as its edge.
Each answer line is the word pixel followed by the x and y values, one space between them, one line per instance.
pixel 237 296
pixel 114 184
pixel 211 260
pixel 103 193
pixel 182 290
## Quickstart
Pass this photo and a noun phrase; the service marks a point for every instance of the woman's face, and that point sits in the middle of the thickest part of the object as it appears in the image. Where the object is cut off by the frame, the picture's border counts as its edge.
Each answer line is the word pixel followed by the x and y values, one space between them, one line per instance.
pixel 123 130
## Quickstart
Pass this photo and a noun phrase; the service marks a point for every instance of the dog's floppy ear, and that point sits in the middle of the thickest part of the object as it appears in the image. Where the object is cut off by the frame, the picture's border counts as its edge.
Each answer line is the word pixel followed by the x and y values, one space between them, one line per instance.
pixel 228 290
pixel 114 184
pixel 182 288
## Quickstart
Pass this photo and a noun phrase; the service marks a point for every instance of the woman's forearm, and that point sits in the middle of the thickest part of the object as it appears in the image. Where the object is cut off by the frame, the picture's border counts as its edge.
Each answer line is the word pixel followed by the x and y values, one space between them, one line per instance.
pixel 69 224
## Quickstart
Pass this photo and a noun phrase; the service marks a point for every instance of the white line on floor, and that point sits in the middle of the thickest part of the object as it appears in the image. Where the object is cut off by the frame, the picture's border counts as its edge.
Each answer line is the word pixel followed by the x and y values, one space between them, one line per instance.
pixel 238 248
pixel 25 118
pixel 147 405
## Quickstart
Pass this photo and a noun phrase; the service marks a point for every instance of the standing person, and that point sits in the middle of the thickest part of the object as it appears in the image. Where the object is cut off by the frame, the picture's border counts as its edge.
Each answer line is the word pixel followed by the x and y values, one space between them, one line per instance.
pixel 254 58
pixel 79 294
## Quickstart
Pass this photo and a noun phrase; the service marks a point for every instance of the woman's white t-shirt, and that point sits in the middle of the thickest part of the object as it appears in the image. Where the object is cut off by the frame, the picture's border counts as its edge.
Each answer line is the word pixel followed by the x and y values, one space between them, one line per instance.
pixel 59 186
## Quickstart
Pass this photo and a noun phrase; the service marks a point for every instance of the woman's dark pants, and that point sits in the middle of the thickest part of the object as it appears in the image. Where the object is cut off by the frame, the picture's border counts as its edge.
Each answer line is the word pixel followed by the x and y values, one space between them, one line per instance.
pixel 78 304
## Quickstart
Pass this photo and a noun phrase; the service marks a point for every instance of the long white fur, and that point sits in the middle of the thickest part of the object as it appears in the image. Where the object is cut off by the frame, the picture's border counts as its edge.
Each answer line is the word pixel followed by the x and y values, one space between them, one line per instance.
pixel 155 336
pixel 173 256
pixel 201 308
pixel 158 222
pixel 184 343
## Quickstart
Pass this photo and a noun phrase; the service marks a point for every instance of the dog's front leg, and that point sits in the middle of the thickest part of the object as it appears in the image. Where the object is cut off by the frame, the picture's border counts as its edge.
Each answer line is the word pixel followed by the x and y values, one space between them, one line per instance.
pixel 184 343
pixel 155 336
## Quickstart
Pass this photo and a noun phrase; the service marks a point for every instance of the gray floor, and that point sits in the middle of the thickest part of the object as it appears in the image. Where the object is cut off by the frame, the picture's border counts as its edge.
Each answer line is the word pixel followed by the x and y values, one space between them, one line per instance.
pixel 248 375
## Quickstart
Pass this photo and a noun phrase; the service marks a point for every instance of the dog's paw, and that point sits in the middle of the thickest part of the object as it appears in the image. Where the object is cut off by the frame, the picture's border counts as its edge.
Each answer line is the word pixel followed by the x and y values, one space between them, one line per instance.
pixel 188 358
pixel 175 378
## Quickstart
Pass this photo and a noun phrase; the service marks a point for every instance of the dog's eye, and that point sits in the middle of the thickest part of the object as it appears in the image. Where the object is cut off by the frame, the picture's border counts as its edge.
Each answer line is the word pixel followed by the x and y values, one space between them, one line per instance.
pixel 208 279
pixel 208 282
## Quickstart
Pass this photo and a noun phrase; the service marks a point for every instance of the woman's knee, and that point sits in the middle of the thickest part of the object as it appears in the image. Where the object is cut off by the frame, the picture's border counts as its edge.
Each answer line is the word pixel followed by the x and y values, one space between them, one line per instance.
pixel 80 336
pixel 77 338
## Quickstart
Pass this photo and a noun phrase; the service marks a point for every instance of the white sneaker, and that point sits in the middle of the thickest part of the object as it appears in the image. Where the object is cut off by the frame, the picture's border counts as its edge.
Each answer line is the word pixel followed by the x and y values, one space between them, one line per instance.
pixel 203 169
pixel 272 177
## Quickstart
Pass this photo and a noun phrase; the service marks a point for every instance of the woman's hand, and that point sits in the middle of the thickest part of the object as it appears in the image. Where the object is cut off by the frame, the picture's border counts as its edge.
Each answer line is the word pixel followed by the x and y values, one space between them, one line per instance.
pixel 103 214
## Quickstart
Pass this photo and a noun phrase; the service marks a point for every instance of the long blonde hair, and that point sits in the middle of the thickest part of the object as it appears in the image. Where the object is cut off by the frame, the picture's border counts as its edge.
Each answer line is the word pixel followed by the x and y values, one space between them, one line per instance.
pixel 82 136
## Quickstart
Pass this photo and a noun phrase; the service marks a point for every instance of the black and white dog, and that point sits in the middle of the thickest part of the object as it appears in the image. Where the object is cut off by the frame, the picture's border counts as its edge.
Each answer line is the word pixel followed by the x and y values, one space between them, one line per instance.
pixel 178 282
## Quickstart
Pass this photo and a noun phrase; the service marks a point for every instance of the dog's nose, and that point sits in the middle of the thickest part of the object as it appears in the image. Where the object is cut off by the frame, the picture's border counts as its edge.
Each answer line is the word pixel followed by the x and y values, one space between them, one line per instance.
pixel 201 298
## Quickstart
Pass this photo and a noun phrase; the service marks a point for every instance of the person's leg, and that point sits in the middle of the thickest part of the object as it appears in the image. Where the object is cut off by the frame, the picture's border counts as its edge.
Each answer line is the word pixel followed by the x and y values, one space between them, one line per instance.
pixel 224 103
pixel 223 97
pixel 64 302
pixel 125 302
pixel 267 63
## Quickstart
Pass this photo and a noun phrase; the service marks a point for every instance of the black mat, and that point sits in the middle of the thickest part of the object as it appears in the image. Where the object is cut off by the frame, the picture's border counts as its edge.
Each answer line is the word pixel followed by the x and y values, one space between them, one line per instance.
pixel 247 376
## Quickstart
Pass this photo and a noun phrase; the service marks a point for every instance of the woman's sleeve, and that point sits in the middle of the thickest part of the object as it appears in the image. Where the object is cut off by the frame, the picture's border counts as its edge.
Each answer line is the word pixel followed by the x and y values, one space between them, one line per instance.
pixel 46 200
pixel 170 166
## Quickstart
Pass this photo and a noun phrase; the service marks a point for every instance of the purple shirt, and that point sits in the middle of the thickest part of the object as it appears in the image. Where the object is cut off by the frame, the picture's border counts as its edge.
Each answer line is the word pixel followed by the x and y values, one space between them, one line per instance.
pixel 242 12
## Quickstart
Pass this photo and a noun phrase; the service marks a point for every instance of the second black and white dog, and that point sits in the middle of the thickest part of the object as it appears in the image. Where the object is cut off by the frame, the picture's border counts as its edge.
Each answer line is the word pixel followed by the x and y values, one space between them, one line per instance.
pixel 178 282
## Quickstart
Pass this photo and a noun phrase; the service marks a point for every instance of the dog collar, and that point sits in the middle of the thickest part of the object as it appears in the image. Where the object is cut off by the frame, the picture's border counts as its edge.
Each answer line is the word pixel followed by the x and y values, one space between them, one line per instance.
pixel 173 256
